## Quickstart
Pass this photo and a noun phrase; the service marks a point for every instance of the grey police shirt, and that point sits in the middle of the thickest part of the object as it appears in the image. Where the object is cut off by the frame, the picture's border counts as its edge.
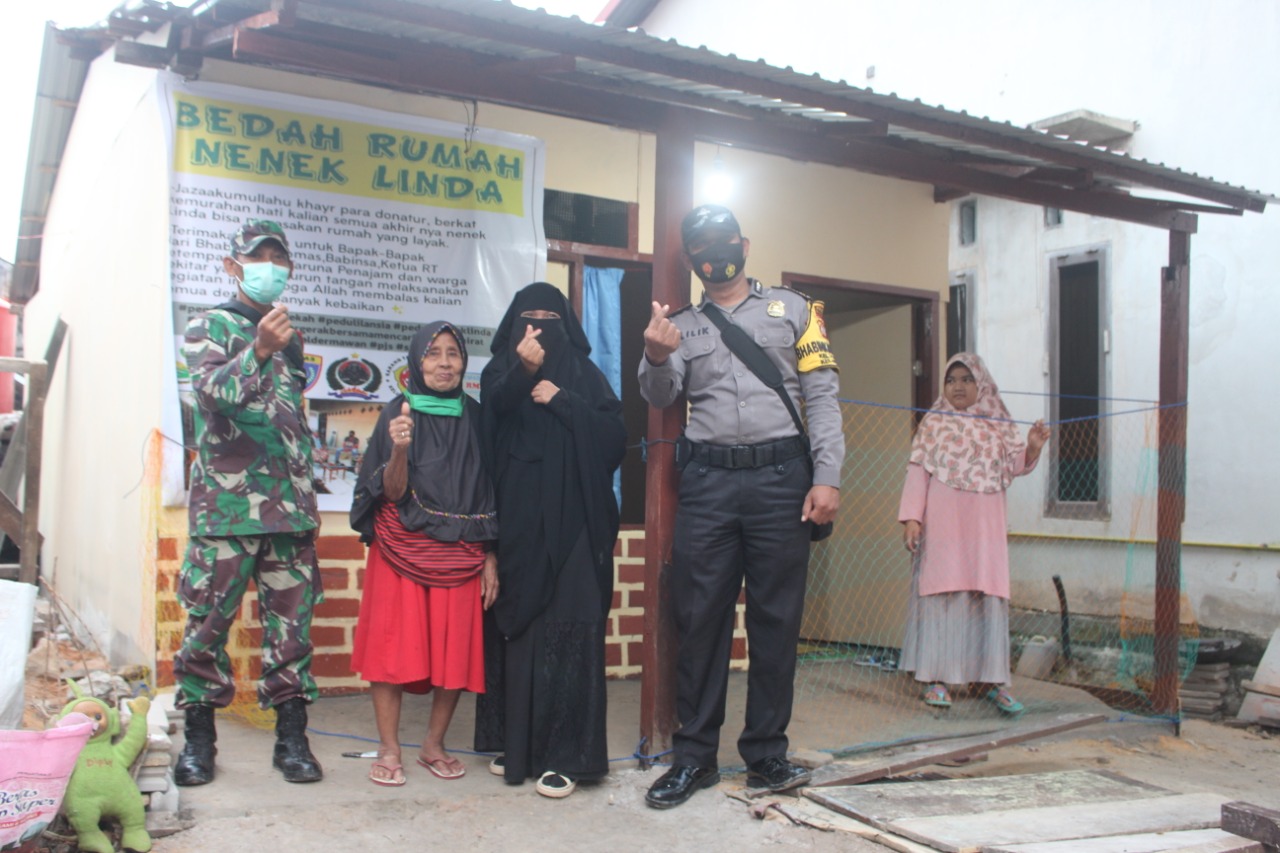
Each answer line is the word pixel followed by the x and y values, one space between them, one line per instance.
pixel 728 404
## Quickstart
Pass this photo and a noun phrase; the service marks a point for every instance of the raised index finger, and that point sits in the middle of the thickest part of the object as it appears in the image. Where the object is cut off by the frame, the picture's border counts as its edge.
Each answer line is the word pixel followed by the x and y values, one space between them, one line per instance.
pixel 660 311
pixel 531 332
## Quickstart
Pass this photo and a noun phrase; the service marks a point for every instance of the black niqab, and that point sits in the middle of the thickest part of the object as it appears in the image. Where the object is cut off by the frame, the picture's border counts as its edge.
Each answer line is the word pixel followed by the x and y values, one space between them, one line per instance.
pixel 553 463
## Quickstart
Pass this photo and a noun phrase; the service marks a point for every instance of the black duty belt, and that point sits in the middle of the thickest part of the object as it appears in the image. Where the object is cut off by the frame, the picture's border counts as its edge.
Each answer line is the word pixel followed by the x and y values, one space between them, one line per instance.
pixel 747 455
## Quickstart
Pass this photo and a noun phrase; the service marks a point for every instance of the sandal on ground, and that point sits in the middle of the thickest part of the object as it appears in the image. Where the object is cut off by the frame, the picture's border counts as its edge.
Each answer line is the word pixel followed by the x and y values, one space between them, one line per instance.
pixel 1005 702
pixel 555 785
pixel 444 768
pixel 392 775
pixel 937 696
pixel 498 766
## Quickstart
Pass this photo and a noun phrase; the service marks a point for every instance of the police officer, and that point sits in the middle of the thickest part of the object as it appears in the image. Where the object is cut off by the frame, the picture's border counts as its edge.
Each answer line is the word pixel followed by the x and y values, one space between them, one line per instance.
pixel 752 486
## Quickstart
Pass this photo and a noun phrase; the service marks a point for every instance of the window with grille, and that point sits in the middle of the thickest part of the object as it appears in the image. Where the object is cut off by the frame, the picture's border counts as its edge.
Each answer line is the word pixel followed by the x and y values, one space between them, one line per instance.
pixel 1078 460
pixel 580 218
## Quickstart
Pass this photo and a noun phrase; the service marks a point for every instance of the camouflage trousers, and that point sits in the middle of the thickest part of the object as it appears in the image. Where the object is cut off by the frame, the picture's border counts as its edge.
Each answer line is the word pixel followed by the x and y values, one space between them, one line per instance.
pixel 215 575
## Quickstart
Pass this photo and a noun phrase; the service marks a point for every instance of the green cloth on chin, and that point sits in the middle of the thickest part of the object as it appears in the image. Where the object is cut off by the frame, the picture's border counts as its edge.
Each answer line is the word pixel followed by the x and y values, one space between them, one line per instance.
pixel 449 407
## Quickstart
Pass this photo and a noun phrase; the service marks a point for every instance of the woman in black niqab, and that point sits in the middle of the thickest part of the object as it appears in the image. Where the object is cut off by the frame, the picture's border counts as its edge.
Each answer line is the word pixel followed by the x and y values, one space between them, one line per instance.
pixel 556 432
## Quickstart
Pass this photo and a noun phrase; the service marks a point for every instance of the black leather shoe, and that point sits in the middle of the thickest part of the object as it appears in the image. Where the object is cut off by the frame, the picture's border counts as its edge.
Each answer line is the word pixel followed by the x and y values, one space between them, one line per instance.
pixel 679 784
pixel 776 774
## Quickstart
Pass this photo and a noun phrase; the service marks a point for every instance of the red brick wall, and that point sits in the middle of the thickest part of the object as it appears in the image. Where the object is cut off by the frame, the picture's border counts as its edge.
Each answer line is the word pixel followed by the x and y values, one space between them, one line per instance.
pixel 342 561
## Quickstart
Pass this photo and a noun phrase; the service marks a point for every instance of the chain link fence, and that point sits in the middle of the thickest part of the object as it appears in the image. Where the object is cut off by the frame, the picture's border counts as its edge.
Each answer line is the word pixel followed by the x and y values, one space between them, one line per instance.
pixel 1081 539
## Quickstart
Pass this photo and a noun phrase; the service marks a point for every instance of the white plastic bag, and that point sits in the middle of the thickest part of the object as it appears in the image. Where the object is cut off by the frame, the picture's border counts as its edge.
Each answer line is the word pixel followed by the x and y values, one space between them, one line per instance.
pixel 34 770
pixel 17 609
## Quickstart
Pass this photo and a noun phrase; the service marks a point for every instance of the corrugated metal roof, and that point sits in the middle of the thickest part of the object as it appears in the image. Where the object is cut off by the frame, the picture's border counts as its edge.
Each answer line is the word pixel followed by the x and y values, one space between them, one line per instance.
pixel 58 87
pixel 829 102
pixel 849 126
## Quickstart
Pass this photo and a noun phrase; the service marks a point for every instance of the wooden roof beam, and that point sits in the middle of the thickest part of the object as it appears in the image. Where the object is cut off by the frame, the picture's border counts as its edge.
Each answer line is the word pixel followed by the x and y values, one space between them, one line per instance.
pixel 542 66
pixel 223 36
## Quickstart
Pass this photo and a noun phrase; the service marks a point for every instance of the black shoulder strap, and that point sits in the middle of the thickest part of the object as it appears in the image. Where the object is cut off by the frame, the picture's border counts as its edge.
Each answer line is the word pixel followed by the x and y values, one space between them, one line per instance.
pixel 741 345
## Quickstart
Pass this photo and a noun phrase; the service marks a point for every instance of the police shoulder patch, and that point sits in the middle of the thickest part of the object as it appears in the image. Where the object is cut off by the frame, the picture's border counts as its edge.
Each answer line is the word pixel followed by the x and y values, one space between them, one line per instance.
pixel 813 350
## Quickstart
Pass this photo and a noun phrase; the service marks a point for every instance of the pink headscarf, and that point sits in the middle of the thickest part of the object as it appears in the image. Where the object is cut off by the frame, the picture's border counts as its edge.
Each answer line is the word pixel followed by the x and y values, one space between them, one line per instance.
pixel 969 450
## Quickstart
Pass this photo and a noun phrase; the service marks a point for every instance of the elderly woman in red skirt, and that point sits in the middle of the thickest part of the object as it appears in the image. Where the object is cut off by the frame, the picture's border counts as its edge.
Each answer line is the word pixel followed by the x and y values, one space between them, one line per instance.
pixel 424 503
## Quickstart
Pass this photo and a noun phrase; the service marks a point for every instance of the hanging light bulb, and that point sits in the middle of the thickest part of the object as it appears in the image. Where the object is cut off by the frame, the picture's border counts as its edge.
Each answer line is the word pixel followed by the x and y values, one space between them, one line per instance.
pixel 718 186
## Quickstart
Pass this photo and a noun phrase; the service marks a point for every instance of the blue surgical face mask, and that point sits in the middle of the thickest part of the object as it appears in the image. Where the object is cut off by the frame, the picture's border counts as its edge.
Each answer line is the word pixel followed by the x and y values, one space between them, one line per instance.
pixel 263 281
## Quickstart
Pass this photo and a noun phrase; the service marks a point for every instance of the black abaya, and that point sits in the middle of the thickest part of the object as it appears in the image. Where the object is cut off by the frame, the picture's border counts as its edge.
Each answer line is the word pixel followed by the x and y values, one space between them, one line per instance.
pixel 544 704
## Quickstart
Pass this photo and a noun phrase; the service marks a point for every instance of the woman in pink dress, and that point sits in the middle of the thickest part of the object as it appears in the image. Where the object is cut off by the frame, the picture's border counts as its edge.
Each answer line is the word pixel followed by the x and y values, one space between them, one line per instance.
pixel 965 453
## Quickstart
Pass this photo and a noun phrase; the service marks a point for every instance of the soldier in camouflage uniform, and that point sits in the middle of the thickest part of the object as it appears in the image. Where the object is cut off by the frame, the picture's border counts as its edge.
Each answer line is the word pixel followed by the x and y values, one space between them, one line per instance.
pixel 252 511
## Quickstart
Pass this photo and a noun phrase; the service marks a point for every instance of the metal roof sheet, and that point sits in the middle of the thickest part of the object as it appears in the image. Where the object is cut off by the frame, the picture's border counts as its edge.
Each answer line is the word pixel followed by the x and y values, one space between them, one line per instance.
pixel 883 133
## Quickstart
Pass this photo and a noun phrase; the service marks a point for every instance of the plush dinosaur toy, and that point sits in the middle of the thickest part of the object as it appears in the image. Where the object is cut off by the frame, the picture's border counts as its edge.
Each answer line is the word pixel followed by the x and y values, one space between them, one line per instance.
pixel 101 785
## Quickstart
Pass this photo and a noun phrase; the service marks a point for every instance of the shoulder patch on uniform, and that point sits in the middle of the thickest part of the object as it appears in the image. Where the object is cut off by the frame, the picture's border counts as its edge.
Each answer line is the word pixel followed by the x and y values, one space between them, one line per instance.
pixel 813 350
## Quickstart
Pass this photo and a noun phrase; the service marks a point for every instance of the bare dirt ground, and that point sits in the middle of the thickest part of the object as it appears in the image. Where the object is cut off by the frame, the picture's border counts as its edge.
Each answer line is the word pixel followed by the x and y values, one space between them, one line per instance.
pixel 250 807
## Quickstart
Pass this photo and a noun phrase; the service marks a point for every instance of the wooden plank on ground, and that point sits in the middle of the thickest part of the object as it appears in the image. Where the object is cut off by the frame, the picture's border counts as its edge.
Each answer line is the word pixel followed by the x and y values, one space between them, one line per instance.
pixel 812 815
pixel 881 805
pixel 1229 845
pixel 1216 840
pixel 878 767
pixel 970 833
pixel 1256 822
pixel 1269 689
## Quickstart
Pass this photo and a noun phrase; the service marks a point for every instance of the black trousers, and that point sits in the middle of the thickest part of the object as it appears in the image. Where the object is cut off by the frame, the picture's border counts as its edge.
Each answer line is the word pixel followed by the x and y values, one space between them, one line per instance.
pixel 733 525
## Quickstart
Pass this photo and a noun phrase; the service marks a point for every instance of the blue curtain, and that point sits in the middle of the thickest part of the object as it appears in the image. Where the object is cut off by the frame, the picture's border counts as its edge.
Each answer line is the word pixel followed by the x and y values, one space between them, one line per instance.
pixel 602 321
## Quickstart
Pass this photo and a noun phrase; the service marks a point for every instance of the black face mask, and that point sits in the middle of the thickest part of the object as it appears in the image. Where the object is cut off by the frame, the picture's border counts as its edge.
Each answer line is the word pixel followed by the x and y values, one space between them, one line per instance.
pixel 719 262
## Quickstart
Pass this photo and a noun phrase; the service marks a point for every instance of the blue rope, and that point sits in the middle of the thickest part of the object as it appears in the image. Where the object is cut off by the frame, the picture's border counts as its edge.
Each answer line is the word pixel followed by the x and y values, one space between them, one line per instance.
pixel 1011 420
pixel 1078 397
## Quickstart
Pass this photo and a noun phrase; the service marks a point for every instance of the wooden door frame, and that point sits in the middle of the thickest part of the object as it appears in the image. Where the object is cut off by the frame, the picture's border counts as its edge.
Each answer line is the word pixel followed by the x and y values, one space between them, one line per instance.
pixel 924 326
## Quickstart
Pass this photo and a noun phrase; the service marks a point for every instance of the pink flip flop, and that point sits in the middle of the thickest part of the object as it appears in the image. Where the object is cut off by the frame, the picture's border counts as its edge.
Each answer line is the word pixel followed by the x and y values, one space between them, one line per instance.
pixel 442 768
pixel 392 770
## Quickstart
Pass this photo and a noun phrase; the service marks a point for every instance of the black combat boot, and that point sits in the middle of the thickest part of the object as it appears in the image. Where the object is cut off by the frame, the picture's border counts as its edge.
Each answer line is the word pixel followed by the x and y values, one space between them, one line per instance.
pixel 195 762
pixel 293 755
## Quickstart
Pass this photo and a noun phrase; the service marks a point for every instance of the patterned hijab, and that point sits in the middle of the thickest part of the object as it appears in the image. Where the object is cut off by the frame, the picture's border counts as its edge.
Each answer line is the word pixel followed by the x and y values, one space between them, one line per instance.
pixel 969 450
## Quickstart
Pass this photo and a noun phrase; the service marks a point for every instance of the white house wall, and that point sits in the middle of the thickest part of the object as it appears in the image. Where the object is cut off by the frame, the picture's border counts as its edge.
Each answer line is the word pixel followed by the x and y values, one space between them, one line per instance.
pixel 104 269
pixel 1199 80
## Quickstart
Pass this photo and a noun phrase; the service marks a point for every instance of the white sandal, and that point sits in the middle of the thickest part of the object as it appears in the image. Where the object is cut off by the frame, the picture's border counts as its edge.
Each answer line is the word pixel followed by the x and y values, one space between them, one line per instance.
pixel 555 785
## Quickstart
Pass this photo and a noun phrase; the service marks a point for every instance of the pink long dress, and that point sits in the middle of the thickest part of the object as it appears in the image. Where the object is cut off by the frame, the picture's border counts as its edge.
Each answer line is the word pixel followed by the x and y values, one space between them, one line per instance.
pixel 958 611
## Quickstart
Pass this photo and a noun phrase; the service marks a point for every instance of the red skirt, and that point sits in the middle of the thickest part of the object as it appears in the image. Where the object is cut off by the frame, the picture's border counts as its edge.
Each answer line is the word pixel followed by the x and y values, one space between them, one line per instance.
pixel 416 636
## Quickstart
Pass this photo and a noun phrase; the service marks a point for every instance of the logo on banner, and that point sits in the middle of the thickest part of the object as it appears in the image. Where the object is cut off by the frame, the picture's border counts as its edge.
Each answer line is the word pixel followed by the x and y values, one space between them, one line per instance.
pixel 312 365
pixel 398 370
pixel 353 378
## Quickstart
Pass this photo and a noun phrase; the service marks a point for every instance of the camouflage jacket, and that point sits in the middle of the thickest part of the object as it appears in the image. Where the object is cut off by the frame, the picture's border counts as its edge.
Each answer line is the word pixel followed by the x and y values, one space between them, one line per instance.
pixel 252 473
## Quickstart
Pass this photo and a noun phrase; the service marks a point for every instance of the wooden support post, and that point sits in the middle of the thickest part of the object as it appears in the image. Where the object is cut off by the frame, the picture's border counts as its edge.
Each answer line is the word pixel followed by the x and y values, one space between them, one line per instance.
pixel 673 198
pixel 1172 466
pixel 33 407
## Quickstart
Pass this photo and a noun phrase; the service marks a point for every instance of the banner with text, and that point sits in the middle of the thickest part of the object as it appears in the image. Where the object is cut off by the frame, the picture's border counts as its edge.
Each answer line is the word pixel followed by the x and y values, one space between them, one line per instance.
pixel 393 221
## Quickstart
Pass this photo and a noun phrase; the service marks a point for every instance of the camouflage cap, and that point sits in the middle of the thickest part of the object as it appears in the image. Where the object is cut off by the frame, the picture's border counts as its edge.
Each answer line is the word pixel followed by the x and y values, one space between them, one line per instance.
pixel 708 217
pixel 254 232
